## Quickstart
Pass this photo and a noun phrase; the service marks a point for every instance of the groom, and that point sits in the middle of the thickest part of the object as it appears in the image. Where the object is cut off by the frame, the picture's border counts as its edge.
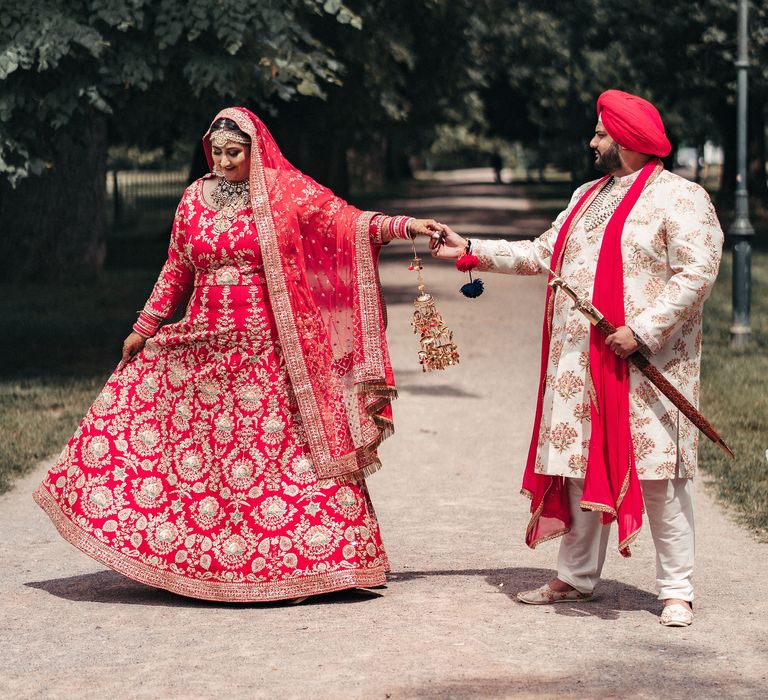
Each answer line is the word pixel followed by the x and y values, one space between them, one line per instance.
pixel 644 245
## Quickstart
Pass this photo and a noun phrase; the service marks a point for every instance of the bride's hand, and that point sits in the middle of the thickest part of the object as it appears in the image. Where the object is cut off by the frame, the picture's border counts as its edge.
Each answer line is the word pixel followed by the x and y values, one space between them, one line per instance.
pixel 132 346
pixel 426 227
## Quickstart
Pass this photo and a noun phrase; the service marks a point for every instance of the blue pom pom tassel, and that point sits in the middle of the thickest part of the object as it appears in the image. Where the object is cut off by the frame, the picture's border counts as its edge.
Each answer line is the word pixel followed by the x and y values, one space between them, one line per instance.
pixel 472 289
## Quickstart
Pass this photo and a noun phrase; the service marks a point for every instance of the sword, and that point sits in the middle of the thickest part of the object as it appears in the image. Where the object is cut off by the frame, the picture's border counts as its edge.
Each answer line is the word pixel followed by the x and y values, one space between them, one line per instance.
pixel 640 361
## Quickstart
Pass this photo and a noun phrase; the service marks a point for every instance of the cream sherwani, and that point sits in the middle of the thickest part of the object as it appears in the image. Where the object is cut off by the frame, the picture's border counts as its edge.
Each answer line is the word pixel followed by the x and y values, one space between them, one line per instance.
pixel 671 248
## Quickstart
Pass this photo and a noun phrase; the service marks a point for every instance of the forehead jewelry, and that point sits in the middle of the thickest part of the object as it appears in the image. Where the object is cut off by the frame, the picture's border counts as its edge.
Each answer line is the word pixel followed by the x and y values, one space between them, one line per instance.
pixel 221 137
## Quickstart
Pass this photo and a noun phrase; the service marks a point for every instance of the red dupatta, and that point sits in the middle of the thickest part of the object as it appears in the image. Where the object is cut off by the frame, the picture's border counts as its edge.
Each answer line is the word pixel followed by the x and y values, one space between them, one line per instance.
pixel 321 273
pixel 611 483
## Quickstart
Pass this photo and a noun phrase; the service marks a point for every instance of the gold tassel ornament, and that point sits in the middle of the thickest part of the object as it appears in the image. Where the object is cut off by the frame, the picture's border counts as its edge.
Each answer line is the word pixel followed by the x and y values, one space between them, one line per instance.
pixel 438 350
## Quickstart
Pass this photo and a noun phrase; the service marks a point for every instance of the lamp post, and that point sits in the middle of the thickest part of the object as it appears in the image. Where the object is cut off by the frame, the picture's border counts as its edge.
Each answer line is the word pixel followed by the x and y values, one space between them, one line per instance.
pixel 741 229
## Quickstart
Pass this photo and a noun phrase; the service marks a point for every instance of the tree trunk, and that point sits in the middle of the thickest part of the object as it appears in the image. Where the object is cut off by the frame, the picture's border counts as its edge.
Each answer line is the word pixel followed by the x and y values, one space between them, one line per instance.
pixel 55 224
pixel 324 159
pixel 396 162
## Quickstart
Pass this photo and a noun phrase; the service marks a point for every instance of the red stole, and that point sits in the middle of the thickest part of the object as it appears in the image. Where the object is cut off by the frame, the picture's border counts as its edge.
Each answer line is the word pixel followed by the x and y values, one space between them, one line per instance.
pixel 611 483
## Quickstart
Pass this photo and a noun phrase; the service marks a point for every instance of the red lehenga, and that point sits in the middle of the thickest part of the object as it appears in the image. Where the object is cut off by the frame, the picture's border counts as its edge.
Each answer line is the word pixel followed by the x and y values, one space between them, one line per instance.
pixel 227 460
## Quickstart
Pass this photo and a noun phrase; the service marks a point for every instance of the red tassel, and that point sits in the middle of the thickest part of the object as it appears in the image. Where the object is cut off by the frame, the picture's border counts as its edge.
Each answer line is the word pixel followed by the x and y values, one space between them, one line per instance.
pixel 467 262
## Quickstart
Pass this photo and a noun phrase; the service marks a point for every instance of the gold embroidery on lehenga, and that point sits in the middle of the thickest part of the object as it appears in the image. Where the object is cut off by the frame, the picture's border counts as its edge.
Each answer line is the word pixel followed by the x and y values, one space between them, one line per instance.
pixel 198 444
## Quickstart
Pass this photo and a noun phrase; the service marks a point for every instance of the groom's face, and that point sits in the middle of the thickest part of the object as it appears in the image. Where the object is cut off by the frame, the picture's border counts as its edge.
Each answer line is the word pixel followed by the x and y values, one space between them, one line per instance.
pixel 607 156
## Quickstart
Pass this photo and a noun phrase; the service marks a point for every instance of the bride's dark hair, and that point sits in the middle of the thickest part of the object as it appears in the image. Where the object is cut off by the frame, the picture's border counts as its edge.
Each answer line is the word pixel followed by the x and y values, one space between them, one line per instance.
pixel 228 125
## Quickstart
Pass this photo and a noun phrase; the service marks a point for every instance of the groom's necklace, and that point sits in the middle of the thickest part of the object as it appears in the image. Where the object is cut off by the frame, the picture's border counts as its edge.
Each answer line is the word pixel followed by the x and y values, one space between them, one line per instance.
pixel 602 207
pixel 229 198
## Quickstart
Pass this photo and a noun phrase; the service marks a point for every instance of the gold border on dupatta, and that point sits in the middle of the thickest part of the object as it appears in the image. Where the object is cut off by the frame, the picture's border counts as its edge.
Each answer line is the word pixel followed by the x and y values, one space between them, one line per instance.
pixel 549 316
pixel 249 592
pixel 278 296
pixel 595 507
pixel 353 465
pixel 370 302
pixel 535 519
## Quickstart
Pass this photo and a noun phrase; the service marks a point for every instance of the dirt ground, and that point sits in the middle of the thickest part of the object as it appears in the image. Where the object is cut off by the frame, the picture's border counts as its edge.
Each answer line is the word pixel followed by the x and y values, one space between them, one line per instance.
pixel 447 624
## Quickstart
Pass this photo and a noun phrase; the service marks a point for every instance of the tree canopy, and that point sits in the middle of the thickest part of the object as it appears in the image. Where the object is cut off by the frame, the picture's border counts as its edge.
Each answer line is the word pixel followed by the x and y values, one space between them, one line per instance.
pixel 62 59
pixel 378 77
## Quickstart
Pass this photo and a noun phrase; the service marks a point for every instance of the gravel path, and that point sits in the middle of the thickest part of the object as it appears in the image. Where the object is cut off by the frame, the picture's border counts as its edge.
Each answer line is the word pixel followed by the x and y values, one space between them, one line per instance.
pixel 447 624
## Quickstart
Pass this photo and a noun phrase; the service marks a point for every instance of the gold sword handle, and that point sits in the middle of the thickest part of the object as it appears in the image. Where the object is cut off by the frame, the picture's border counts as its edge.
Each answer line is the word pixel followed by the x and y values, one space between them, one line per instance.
pixel 584 305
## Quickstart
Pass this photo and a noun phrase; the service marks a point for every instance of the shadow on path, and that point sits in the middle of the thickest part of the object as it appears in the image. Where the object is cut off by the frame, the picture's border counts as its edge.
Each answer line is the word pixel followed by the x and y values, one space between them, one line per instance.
pixel 111 587
pixel 437 390
pixel 611 597
pixel 594 678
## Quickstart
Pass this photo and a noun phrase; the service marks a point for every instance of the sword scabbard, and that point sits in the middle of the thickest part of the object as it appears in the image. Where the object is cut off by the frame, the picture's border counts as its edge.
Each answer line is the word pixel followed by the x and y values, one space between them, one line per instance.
pixel 679 400
pixel 640 361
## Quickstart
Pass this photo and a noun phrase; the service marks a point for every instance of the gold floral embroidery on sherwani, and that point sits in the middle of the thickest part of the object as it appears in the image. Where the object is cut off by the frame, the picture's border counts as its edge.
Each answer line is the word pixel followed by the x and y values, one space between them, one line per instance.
pixel 671 249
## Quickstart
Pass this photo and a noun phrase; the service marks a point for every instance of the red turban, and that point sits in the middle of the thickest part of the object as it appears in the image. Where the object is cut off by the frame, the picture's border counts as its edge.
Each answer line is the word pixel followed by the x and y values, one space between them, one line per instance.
pixel 633 122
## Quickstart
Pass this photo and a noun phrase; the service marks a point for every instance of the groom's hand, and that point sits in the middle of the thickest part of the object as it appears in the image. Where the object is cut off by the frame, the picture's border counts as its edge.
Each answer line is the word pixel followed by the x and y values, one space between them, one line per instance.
pixel 449 246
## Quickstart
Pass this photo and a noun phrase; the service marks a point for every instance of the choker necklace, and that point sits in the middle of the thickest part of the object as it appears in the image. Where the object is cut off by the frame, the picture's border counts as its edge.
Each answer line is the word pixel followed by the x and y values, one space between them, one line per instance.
pixel 229 197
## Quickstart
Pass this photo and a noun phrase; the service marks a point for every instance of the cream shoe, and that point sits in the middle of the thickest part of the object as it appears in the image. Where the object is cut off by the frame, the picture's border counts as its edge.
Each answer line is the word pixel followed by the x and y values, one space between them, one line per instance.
pixel 676 615
pixel 546 596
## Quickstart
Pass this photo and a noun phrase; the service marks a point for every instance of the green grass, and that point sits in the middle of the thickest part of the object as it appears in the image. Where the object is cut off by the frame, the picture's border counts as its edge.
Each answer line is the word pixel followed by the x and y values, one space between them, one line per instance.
pixel 63 340
pixel 38 415
pixel 60 344
pixel 735 400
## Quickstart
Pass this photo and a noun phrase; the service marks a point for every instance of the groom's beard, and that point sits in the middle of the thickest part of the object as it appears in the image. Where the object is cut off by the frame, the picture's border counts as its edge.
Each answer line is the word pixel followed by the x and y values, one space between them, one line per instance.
pixel 610 161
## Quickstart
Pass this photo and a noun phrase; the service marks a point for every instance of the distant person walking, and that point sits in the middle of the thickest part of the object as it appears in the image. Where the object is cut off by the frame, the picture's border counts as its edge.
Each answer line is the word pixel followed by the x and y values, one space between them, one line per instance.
pixel 226 457
pixel 644 245
pixel 497 164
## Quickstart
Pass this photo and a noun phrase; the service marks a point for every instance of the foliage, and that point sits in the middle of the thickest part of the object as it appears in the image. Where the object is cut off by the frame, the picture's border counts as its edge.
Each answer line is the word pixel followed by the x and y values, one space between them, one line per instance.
pixel 734 399
pixel 546 66
pixel 413 68
pixel 62 58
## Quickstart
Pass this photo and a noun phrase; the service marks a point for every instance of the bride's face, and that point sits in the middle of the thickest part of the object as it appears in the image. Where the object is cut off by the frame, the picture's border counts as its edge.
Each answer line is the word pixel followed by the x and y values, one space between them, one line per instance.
pixel 233 160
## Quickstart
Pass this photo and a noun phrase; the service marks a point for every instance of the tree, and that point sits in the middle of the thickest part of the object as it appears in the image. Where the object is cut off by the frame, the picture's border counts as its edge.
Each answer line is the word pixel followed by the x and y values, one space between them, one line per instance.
pixel 413 67
pixel 73 69
pixel 150 73
pixel 695 77
pixel 553 63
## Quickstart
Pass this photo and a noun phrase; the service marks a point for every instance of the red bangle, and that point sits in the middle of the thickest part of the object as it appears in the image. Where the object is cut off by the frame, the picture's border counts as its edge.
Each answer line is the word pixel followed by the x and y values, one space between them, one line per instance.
pixel 398 226
pixel 147 324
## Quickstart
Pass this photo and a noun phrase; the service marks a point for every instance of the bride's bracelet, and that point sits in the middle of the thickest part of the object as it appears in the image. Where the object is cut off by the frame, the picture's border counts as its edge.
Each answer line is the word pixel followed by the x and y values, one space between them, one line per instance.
pixel 147 324
pixel 399 227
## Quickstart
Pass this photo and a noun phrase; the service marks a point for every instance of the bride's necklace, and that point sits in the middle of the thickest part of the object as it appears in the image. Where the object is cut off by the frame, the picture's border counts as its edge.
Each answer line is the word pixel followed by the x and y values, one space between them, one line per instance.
pixel 229 198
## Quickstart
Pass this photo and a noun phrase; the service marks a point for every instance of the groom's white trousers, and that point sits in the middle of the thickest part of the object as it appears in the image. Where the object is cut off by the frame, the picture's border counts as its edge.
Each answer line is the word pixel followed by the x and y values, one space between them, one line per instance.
pixel 668 512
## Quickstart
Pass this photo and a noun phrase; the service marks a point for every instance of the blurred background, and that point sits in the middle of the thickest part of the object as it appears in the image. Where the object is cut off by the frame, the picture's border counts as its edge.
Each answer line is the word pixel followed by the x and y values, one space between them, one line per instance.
pixel 103 104
pixel 104 101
